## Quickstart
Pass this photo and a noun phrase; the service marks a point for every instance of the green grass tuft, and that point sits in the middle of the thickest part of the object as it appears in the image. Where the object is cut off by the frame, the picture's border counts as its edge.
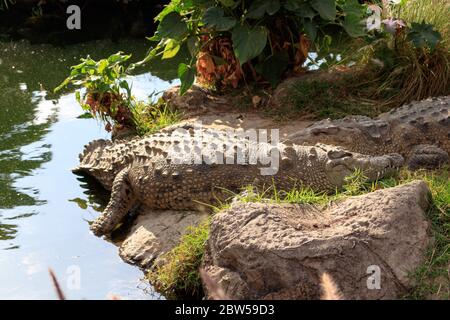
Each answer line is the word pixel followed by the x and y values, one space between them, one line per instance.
pixel 150 118
pixel 179 277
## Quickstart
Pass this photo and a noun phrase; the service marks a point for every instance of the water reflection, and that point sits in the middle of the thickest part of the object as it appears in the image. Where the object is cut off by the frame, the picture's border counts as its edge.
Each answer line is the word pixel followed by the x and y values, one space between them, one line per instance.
pixel 43 207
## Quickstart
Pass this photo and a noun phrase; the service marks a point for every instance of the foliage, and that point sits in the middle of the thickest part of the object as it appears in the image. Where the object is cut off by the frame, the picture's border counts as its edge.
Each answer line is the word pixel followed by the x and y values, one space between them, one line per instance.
pixel 149 118
pixel 423 35
pixel 234 40
pixel 179 275
pixel 410 60
pixel 107 94
pixel 432 12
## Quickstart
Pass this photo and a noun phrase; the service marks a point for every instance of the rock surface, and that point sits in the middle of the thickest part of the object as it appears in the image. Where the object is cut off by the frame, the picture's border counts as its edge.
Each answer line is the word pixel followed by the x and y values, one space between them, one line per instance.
pixel 271 251
pixel 155 233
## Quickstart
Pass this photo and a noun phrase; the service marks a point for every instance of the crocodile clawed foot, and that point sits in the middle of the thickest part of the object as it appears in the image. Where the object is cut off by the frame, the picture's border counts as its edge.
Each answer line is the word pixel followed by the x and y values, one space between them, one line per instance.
pixel 98 228
pixel 427 157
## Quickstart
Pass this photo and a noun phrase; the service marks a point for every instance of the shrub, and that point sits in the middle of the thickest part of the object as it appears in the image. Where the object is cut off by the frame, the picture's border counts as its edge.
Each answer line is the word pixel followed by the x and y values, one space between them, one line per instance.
pixel 107 94
pixel 410 60
pixel 235 40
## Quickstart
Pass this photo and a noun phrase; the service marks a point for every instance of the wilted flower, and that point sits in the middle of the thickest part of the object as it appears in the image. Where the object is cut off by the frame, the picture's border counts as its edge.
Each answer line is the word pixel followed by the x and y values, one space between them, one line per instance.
pixel 391 25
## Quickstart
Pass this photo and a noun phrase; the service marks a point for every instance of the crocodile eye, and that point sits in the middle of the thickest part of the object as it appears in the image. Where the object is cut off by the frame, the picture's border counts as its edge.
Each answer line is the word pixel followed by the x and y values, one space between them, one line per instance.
pixel 339 154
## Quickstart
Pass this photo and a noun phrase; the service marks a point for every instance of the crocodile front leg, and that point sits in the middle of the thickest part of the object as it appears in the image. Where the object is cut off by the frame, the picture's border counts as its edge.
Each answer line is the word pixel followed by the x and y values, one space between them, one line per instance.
pixel 122 201
pixel 426 156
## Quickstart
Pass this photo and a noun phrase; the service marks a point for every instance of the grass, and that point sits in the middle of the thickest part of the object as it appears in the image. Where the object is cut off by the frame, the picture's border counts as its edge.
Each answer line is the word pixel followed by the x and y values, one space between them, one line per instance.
pixel 435 12
pixel 325 99
pixel 179 276
pixel 150 118
pixel 403 73
pixel 432 278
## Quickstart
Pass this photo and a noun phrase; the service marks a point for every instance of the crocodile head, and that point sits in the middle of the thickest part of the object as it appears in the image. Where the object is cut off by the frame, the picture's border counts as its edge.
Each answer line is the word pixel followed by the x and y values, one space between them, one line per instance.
pixel 340 163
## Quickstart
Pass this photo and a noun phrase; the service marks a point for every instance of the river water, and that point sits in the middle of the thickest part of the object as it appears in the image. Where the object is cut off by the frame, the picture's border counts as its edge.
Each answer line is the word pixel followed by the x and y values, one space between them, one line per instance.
pixel 44 208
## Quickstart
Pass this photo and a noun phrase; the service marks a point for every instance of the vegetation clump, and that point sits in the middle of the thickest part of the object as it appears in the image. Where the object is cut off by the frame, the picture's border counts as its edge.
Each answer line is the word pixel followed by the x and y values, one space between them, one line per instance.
pixel 238 41
pixel 409 59
pixel 107 96
pixel 179 275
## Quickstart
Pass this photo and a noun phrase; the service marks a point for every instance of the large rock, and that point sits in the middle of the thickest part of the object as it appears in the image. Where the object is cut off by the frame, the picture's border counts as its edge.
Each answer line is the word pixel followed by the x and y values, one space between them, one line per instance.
pixel 155 233
pixel 271 251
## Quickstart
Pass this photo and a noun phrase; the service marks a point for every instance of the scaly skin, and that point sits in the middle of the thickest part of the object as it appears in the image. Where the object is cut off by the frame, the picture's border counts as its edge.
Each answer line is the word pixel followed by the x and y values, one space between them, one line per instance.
pixel 139 172
pixel 419 131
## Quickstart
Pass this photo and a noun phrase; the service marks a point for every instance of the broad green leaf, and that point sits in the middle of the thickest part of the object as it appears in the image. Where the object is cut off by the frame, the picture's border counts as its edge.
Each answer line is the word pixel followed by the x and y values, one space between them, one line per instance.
pixel 171 49
pixel 260 7
pixel 118 57
pixel 326 8
pixel 292 5
pixel 301 9
pixel 354 26
pixel 248 42
pixel 203 3
pixel 193 45
pixel 214 18
pixel 310 29
pixel 423 34
pixel 102 65
pixel 186 73
pixel 353 7
pixel 228 3
pixel 172 26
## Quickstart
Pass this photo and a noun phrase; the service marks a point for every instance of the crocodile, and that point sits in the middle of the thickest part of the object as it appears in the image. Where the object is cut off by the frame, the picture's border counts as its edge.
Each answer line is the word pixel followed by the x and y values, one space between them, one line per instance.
pixel 419 131
pixel 141 171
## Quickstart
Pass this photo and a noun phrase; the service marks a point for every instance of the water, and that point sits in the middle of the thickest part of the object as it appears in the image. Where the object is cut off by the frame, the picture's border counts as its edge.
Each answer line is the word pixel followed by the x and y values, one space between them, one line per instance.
pixel 44 208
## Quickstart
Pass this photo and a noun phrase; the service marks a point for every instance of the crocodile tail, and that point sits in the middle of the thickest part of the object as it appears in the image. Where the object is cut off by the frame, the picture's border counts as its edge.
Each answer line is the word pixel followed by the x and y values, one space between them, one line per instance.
pixel 91 154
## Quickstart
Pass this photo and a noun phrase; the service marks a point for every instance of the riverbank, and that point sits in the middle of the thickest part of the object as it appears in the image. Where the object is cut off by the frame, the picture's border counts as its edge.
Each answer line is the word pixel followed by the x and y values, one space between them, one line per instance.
pixel 174 268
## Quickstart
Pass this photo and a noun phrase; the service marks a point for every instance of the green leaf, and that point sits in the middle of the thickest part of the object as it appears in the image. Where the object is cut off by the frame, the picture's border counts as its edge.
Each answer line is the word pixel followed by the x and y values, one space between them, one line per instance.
pixel 259 7
pixel 118 57
pixel 303 10
pixel 214 18
pixel 228 3
pixel 172 26
pixel 326 8
pixel 193 45
pixel 310 29
pixel 86 115
pixel 273 67
pixel 80 202
pixel 423 34
pixel 186 73
pixel 203 3
pixel 248 42
pixel 354 26
pixel 353 7
pixel 171 49
pixel 102 65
